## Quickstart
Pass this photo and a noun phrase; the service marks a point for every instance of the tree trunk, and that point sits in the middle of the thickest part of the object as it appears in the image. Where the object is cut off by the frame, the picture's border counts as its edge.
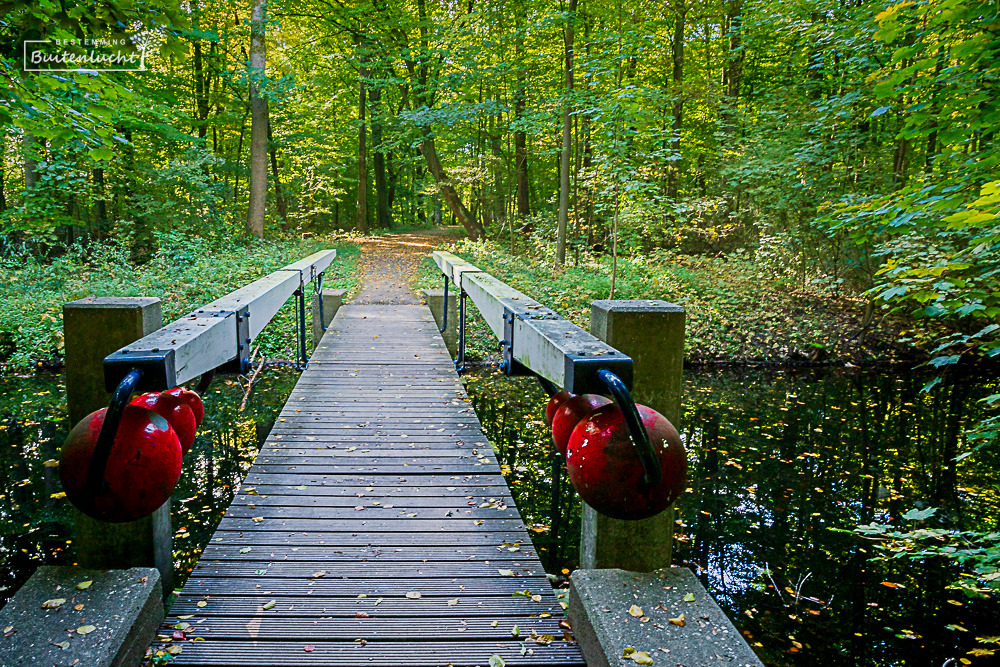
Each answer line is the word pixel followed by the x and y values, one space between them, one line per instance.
pixel 472 226
pixel 520 136
pixel 29 145
pixel 200 92
pixel 100 204
pixel 673 170
pixel 279 198
pixel 733 70
pixel 258 122
pixel 566 138
pixel 361 220
pixel 383 212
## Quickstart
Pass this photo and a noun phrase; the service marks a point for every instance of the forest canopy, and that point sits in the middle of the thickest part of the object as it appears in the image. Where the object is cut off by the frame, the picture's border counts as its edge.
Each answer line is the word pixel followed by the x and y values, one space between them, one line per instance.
pixel 848 147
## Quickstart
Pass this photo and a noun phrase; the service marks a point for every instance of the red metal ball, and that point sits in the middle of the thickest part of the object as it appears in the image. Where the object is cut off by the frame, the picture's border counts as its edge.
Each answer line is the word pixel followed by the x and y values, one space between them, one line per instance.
pixel 605 468
pixel 142 471
pixel 569 414
pixel 172 406
pixel 554 402
pixel 193 400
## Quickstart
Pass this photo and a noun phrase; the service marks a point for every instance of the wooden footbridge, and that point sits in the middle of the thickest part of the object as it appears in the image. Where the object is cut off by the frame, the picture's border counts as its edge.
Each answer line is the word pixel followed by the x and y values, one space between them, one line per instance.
pixel 374 527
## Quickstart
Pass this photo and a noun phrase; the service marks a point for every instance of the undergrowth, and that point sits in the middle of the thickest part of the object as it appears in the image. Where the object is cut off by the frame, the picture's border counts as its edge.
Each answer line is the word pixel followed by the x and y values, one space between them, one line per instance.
pixel 736 311
pixel 185 272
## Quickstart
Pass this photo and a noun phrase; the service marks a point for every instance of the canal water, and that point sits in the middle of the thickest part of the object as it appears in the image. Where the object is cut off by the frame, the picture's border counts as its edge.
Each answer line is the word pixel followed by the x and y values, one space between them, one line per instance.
pixel 781 464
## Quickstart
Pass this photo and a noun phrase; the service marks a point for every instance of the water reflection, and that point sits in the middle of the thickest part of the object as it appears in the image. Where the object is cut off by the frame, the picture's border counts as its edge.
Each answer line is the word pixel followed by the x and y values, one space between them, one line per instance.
pixel 36 522
pixel 777 460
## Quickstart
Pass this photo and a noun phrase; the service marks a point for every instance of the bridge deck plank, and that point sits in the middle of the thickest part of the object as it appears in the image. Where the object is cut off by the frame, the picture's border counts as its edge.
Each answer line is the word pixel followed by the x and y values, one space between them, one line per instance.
pixel 376 482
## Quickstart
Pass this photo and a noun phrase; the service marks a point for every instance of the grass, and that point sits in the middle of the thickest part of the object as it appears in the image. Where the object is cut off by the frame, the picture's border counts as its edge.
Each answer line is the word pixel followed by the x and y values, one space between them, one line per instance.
pixel 186 272
pixel 736 311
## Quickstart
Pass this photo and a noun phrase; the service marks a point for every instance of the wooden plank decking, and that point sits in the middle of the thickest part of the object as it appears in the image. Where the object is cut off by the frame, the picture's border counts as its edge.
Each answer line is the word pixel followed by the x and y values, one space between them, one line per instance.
pixel 376 482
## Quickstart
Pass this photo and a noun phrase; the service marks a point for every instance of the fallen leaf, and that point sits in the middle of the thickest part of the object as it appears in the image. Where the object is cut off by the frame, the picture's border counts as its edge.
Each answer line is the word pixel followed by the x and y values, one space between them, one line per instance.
pixel 317 575
pixel 536 598
pixel 413 595
pixel 54 603
pixel 689 597
pixel 257 519
pixel 201 603
pixel 452 603
pixel 627 652
pixel 301 487
pixel 515 631
pixel 245 550
pixel 78 607
pixel 635 610
pixel 51 463
pixel 85 629
pixel 506 573
pixel 62 645
pixel 174 650
pixel 57 496
pixel 642 658
pixel 496 661
pixel 679 621
pixel 308 648
pixel 361 614
pixel 186 617
pixel 84 585
pixel 269 605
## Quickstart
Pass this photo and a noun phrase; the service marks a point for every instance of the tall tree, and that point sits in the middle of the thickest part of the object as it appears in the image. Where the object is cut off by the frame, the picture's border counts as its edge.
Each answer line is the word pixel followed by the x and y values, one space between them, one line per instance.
pixel 361 220
pixel 567 134
pixel 677 53
pixel 520 136
pixel 258 121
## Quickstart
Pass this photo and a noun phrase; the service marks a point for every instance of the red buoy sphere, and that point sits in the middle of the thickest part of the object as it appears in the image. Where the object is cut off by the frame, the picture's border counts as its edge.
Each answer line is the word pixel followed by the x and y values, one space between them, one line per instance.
pixel 142 470
pixel 172 406
pixel 605 468
pixel 193 400
pixel 569 414
pixel 555 401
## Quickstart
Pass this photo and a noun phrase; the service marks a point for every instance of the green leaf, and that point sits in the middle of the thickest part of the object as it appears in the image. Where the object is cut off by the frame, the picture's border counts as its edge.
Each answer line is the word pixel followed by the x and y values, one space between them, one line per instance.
pixel 920 515
pixel 102 154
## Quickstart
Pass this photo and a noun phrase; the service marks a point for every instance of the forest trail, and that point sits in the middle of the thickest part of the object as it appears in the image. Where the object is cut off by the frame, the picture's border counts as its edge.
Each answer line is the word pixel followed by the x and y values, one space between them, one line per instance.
pixel 388 264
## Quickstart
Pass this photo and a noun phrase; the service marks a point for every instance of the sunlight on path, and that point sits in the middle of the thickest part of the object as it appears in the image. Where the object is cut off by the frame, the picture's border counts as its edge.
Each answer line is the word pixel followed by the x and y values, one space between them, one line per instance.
pixel 388 264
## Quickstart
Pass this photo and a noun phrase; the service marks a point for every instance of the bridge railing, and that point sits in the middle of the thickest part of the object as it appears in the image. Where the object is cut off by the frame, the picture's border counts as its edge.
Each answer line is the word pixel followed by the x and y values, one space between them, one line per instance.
pixel 219 334
pixel 535 340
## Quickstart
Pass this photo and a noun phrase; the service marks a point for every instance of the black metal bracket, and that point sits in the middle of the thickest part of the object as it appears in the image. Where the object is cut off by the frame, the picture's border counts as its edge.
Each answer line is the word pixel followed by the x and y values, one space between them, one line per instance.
pixel 109 429
pixel 444 317
pixel 318 289
pixel 652 473
pixel 300 295
pixel 240 364
pixel 510 366
pixel 158 369
pixel 462 296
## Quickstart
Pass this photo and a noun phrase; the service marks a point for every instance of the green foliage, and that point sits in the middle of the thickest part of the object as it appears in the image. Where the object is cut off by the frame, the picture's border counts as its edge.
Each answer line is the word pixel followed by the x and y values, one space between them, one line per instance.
pixel 186 272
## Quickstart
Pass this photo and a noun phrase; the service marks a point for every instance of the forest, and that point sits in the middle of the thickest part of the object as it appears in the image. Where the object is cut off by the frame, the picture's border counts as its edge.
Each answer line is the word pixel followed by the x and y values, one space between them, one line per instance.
pixel 817 181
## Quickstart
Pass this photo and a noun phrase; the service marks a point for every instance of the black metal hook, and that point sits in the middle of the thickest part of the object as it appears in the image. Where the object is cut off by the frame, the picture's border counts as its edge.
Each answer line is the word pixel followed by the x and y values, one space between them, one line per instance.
pixel 444 317
pixel 653 474
pixel 549 388
pixel 204 381
pixel 318 287
pixel 109 429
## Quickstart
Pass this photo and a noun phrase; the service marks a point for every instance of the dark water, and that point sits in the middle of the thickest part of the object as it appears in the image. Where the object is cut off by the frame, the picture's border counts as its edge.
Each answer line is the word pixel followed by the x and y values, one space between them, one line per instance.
pixel 778 460
pixel 36 528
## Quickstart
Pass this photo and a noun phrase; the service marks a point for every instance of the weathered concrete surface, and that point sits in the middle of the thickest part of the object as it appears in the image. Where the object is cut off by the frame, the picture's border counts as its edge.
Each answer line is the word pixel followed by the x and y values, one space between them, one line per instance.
pixel 93 328
pixel 124 607
pixel 144 542
pixel 652 333
pixel 435 301
pixel 333 299
pixel 599 604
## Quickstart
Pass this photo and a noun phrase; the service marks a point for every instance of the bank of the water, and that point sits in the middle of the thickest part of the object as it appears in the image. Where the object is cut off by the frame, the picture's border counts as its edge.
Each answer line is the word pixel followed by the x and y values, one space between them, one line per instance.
pixel 778 460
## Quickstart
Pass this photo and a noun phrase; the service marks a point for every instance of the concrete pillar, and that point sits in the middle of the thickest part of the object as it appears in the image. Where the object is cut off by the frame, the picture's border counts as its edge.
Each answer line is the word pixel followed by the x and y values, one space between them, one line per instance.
pixel 333 299
pixel 93 328
pixel 652 333
pixel 435 301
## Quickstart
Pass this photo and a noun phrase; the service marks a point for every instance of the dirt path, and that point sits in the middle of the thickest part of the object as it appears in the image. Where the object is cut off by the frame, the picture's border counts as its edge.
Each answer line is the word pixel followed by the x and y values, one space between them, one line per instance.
pixel 388 263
